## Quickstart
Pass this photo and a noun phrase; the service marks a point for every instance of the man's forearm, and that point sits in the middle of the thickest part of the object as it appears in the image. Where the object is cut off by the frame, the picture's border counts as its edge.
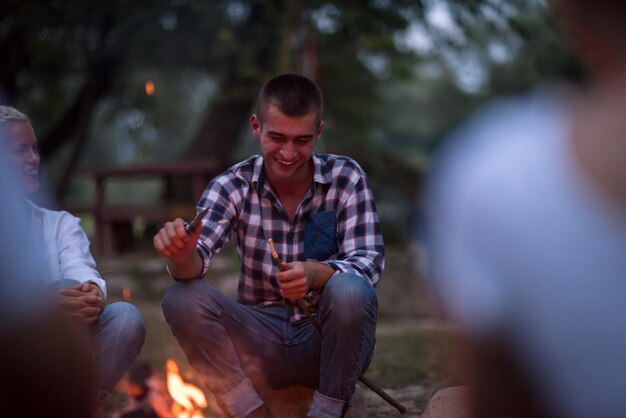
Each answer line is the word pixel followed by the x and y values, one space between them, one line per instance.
pixel 186 267
pixel 320 274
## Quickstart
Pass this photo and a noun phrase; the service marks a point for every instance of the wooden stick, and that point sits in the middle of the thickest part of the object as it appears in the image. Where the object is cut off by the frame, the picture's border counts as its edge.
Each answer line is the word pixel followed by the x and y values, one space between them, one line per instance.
pixel 391 401
pixel 300 302
pixel 318 328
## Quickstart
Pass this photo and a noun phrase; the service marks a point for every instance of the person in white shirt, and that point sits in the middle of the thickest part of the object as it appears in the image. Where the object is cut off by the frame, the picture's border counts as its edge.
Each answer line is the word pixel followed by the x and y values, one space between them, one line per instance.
pixel 117 329
pixel 42 352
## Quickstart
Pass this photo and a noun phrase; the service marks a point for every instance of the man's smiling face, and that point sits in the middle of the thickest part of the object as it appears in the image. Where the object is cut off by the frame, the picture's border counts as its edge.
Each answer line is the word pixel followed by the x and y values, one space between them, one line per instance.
pixel 286 143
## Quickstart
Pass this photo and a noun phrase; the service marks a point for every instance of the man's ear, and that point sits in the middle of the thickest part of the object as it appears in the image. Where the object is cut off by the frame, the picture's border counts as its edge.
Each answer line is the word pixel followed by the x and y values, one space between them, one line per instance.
pixel 320 129
pixel 255 125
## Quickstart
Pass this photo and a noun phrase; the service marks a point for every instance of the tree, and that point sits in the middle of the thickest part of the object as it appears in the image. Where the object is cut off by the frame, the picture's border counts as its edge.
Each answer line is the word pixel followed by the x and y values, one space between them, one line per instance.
pixel 388 100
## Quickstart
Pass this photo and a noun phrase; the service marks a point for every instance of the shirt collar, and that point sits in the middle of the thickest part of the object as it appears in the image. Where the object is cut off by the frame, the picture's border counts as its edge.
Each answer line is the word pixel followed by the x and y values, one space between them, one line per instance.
pixel 322 174
pixel 257 169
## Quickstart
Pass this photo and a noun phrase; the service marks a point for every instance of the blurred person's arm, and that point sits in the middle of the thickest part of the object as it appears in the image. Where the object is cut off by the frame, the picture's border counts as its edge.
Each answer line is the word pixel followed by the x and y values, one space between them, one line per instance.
pixel 497 382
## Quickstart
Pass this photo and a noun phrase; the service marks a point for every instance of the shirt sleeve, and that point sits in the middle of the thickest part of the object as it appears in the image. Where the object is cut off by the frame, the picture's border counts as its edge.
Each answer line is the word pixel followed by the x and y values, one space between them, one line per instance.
pixel 361 248
pixel 220 197
pixel 75 259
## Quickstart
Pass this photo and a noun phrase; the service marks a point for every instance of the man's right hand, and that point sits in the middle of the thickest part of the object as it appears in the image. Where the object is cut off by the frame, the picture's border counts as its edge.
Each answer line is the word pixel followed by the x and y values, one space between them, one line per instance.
pixel 179 247
pixel 173 242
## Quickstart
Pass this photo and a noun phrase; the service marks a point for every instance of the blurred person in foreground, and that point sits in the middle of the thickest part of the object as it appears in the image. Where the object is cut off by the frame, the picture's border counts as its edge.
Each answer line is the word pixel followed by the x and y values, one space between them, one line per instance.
pixel 117 330
pixel 45 363
pixel 320 213
pixel 526 234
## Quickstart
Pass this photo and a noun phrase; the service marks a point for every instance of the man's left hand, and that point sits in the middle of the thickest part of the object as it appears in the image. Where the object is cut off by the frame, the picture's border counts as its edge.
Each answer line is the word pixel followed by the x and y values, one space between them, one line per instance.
pixel 296 280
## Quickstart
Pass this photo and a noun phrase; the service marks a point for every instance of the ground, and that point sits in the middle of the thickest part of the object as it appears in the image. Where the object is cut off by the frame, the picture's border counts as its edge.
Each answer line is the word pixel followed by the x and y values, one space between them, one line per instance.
pixel 414 355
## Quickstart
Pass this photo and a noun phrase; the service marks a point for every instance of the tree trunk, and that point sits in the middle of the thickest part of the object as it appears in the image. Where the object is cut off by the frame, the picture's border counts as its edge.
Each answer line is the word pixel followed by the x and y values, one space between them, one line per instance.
pixel 244 72
pixel 78 115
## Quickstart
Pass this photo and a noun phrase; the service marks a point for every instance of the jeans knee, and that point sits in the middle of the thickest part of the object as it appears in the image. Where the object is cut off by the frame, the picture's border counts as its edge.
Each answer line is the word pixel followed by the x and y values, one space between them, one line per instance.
pixel 350 297
pixel 186 302
pixel 129 321
pixel 177 298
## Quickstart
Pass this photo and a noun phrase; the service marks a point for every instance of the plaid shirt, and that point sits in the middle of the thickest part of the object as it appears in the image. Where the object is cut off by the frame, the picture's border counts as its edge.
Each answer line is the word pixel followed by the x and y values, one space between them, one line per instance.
pixel 243 197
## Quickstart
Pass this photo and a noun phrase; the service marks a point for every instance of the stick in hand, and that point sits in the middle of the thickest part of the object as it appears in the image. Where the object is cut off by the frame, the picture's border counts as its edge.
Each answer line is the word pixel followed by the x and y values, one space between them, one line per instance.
pixel 318 328
pixel 300 303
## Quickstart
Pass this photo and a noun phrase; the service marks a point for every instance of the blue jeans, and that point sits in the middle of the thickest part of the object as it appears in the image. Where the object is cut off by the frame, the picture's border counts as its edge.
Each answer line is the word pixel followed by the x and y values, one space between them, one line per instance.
pixel 227 342
pixel 117 335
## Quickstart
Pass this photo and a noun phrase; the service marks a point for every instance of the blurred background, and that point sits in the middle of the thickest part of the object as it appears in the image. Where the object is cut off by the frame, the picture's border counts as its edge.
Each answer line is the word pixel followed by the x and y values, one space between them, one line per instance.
pixel 136 103
pixel 122 83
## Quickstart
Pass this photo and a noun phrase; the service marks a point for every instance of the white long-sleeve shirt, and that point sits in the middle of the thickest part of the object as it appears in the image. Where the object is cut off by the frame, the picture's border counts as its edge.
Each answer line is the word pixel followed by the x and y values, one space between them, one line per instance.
pixel 65 246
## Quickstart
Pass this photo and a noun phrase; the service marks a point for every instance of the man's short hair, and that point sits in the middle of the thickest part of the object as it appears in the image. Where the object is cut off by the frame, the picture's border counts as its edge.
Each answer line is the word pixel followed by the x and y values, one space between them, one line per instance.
pixel 11 114
pixel 293 95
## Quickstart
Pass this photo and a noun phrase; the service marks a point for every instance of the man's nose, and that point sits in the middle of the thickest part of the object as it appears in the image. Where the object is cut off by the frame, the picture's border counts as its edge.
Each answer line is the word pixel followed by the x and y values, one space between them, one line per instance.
pixel 288 151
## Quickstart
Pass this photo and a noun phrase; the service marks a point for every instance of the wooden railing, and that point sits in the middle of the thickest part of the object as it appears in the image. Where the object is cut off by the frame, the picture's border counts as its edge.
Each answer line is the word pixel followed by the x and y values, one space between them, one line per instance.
pixel 109 217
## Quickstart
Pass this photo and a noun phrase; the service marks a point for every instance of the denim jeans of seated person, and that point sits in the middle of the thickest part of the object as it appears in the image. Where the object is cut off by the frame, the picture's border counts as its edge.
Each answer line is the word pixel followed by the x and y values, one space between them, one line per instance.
pixel 226 342
pixel 118 335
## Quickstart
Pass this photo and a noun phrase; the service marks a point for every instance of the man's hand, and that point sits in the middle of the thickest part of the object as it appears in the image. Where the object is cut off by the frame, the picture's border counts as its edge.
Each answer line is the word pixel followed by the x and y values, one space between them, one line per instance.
pixel 295 281
pixel 172 241
pixel 179 247
pixel 83 301
pixel 301 276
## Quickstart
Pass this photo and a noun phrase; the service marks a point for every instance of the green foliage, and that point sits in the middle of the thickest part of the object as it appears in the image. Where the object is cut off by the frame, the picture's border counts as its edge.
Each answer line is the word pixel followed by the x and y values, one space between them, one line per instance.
pixel 397 74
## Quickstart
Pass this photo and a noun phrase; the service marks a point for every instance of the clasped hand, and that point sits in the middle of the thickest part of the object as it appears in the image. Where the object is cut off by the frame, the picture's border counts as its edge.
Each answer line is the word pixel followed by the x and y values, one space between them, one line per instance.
pixel 83 301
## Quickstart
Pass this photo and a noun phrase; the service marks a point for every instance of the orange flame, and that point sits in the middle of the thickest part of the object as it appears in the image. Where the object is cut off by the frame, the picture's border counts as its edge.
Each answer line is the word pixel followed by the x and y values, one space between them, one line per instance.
pixel 149 87
pixel 126 293
pixel 187 396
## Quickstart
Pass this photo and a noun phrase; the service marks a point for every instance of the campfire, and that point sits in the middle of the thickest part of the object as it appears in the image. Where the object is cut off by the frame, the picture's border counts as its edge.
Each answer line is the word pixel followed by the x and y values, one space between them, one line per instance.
pixel 149 396
pixel 188 399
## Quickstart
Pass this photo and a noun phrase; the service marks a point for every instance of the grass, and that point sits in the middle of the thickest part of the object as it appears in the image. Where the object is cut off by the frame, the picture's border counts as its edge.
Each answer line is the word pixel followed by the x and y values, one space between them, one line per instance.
pixel 418 357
